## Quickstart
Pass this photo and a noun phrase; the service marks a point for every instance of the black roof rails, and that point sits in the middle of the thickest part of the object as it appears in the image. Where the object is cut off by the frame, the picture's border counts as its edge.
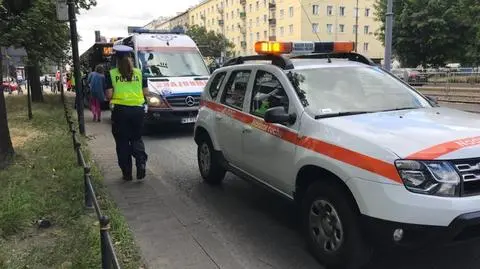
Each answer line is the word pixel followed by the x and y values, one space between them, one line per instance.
pixel 277 60
pixel 351 56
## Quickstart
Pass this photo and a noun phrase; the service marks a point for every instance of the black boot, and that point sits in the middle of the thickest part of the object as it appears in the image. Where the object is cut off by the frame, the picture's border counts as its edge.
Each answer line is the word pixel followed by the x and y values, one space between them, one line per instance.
pixel 127 175
pixel 141 171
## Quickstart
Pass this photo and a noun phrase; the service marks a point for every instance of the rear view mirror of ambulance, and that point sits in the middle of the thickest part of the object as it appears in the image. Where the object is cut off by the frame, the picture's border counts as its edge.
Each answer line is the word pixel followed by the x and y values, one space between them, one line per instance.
pixel 434 178
pixel 172 63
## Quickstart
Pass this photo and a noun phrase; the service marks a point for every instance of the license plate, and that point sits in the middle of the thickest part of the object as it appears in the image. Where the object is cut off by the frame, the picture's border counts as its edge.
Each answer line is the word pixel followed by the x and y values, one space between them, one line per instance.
pixel 189 120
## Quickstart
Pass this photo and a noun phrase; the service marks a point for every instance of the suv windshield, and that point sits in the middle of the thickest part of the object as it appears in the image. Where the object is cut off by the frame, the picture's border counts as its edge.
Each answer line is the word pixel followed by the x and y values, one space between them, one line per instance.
pixel 350 89
pixel 172 63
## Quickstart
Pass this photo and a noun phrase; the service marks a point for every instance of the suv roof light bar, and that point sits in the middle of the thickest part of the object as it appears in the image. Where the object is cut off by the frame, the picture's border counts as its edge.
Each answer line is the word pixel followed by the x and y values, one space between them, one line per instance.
pixel 351 56
pixel 277 60
pixel 303 47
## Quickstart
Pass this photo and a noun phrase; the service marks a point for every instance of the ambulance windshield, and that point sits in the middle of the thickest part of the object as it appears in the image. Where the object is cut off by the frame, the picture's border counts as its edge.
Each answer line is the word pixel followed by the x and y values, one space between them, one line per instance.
pixel 172 63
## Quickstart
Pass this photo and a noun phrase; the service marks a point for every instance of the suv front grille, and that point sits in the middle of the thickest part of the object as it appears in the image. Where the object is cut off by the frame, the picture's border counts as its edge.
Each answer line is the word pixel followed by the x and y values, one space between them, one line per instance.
pixel 469 171
pixel 184 101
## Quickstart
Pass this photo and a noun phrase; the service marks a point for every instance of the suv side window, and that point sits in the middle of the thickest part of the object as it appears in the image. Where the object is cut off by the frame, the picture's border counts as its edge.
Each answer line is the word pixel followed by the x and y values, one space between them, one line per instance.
pixel 236 88
pixel 267 92
pixel 216 84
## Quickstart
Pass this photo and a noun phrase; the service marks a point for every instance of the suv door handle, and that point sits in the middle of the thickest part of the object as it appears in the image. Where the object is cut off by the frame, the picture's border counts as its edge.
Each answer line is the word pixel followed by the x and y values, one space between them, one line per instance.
pixel 247 129
pixel 218 116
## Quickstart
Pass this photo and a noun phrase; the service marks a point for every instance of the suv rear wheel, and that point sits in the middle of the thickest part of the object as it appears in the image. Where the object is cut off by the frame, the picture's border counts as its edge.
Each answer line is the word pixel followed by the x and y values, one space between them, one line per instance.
pixel 331 227
pixel 209 163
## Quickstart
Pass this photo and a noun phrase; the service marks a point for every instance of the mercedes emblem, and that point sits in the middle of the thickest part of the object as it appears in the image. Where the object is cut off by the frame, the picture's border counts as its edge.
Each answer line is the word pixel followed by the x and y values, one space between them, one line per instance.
pixel 190 101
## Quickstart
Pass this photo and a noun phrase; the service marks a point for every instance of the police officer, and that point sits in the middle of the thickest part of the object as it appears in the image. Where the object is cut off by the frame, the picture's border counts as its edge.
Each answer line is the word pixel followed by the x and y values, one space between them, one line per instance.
pixel 126 90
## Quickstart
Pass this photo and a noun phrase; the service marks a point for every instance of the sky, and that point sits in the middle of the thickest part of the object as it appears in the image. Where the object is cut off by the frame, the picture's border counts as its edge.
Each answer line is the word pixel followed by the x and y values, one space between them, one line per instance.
pixel 112 17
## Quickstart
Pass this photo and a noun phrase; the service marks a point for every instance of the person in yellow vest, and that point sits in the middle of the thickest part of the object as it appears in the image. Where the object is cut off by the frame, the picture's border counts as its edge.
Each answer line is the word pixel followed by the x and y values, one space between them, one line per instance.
pixel 126 90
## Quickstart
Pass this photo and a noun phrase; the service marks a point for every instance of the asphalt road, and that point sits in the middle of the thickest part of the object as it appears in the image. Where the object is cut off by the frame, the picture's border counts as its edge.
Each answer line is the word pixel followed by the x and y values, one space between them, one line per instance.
pixel 260 227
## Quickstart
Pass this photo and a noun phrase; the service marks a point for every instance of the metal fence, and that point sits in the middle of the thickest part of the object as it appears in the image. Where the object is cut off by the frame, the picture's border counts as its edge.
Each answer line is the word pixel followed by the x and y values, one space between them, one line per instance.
pixel 109 257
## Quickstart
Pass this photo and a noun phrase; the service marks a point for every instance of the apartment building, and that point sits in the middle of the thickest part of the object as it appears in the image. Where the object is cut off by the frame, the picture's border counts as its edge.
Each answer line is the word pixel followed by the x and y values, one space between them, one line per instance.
pixel 245 22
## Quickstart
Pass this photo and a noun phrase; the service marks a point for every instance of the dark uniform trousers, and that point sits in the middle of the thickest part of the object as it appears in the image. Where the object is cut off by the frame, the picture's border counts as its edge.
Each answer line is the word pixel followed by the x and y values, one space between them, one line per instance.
pixel 127 124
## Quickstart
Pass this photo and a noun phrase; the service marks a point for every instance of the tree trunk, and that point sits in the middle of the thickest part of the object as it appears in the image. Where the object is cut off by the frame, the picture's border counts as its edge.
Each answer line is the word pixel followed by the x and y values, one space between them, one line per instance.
pixel 6 148
pixel 34 79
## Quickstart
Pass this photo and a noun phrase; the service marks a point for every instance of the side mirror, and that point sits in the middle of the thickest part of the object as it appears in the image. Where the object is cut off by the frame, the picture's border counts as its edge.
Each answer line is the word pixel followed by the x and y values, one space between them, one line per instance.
pixel 279 115
pixel 433 100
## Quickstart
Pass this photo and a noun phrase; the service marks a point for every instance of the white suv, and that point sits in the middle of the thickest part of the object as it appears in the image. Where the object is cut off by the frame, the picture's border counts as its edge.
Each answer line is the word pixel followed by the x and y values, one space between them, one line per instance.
pixel 364 154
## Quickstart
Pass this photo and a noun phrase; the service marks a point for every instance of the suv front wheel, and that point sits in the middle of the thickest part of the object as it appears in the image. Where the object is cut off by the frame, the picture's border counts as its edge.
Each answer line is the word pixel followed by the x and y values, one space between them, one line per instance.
pixel 209 163
pixel 331 227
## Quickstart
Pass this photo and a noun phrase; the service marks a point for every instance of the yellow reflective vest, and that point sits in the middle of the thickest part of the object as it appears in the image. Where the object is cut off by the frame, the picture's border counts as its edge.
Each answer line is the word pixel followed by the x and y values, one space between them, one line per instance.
pixel 127 93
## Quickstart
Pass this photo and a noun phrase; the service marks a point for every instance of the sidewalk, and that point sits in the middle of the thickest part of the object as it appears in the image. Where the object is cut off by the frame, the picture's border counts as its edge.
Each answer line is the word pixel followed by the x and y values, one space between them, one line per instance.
pixel 168 229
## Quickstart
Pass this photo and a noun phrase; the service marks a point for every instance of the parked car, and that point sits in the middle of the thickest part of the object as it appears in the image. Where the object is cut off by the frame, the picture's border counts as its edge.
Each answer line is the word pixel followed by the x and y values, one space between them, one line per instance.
pixel 9 86
pixel 415 77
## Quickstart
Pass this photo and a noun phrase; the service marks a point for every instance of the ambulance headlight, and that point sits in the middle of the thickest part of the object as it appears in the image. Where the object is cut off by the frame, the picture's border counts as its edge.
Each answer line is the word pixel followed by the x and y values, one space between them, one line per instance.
pixel 156 101
pixel 437 178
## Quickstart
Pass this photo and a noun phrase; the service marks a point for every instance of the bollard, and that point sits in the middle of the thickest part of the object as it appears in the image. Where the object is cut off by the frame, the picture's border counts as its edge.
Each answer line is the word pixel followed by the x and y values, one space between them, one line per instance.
pixel 106 255
pixel 88 195
pixel 78 151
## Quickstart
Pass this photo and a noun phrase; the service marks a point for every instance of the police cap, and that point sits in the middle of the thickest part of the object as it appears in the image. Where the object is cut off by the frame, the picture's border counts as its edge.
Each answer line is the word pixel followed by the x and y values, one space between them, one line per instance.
pixel 122 50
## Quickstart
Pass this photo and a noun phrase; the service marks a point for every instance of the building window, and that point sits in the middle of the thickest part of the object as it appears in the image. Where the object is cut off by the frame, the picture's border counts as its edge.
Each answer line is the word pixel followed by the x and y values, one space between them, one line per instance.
pixel 341 28
pixel 250 7
pixel 282 31
pixel 258 21
pixel 365 29
pixel 329 10
pixel 355 27
pixel 342 11
pixel 233 15
pixel 282 13
pixel 264 3
pixel 251 37
pixel 258 36
pixel 250 22
pixel 227 16
pixel 265 35
pixel 355 12
pixel 257 6
pixel 290 28
pixel 315 27
pixel 365 46
pixel 315 10
pixel 290 11
pixel 367 12
pixel 265 18
pixel 329 28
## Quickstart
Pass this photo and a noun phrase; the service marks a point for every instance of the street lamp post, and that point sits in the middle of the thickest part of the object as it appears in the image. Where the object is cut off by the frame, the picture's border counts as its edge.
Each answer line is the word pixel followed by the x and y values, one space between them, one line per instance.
pixel 356 25
pixel 76 66
pixel 388 35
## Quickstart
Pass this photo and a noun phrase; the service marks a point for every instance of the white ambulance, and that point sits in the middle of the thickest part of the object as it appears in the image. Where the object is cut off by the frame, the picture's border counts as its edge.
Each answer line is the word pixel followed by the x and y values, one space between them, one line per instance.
pixel 176 72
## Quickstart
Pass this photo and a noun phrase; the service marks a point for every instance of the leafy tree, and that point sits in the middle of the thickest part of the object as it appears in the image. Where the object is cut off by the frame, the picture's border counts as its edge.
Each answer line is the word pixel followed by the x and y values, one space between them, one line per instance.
pixel 31 24
pixel 428 32
pixel 211 44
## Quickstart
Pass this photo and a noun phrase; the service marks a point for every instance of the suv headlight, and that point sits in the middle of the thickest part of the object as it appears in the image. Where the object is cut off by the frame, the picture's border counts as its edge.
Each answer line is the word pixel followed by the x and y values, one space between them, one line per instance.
pixel 437 178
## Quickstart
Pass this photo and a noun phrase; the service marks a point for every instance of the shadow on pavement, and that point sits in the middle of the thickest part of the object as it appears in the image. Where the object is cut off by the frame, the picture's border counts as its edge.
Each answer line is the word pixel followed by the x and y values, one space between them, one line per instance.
pixel 168 131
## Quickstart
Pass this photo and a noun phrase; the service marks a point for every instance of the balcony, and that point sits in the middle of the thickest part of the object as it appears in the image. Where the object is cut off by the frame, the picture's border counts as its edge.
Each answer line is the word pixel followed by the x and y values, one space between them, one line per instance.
pixel 272 5
pixel 272 22
pixel 243 2
pixel 272 38
pixel 220 22
pixel 243 15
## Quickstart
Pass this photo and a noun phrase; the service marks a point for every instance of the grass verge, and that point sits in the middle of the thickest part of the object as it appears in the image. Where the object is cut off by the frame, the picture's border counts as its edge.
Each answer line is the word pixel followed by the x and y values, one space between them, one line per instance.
pixel 44 182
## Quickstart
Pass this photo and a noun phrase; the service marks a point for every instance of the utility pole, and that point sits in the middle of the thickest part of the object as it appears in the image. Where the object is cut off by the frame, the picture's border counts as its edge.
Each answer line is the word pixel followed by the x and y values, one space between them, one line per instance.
pixel 76 66
pixel 388 35
pixel 356 31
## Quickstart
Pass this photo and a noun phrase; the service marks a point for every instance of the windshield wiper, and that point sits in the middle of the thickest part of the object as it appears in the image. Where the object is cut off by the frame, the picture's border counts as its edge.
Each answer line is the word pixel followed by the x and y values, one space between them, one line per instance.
pixel 396 109
pixel 340 114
